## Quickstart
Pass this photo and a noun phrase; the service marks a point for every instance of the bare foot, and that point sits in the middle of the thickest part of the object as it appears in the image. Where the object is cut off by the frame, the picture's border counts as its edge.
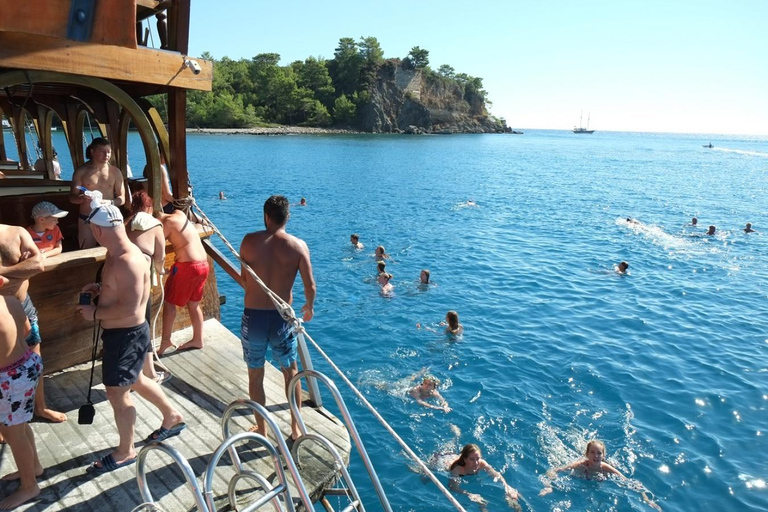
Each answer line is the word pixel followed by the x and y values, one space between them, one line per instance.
pixel 19 497
pixel 174 419
pixel 15 475
pixel 51 415
pixel 191 345
pixel 166 346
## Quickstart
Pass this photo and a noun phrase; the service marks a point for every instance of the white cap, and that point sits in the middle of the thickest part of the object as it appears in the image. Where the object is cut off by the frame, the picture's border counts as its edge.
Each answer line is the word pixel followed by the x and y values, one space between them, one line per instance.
pixel 46 209
pixel 107 216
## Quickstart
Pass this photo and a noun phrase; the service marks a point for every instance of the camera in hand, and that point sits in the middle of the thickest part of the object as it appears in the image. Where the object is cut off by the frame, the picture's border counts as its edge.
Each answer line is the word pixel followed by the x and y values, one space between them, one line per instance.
pixel 85 299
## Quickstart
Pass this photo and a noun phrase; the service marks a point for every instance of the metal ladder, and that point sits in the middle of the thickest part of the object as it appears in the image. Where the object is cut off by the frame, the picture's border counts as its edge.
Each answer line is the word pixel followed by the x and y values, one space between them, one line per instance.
pixel 204 498
pixel 279 495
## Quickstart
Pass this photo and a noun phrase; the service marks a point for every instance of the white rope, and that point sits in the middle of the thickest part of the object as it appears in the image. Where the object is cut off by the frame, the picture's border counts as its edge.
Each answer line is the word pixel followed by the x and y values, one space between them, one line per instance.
pixel 286 308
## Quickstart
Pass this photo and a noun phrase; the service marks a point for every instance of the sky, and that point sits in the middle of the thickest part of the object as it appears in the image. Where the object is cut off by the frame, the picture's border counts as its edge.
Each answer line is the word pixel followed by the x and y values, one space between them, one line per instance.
pixel 650 66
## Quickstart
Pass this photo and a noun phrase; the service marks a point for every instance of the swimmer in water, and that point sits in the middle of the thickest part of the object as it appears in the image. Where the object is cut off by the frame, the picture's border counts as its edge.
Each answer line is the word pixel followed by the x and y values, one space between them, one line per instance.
pixel 384 281
pixel 711 230
pixel 622 267
pixel 303 202
pixel 428 389
pixel 470 462
pixel 694 221
pixel 381 253
pixel 748 228
pixel 591 466
pixel 424 277
pixel 381 268
pixel 632 221
pixel 453 326
pixel 222 197
pixel 355 240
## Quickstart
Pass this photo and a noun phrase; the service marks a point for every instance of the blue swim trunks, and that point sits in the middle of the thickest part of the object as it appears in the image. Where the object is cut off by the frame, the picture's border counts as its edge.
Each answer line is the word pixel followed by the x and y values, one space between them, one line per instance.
pixel 265 327
pixel 33 338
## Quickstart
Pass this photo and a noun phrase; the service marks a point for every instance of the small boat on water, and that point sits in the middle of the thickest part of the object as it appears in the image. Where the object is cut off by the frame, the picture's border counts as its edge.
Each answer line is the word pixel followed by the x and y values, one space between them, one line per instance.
pixel 581 128
pixel 707 145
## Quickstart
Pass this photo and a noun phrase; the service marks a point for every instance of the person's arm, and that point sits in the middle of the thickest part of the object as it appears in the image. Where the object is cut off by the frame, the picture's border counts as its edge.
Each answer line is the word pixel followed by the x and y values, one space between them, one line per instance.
pixel 310 288
pixel 118 189
pixel 159 254
pixel 165 186
pixel 442 401
pixel 607 468
pixel 453 484
pixel 55 251
pixel 31 261
pixel 508 489
pixel 76 195
pixel 245 255
pixel 552 474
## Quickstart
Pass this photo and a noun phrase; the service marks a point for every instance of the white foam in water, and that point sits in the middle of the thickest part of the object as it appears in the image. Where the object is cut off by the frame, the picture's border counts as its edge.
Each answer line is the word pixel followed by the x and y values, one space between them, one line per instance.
pixel 741 152
pixel 658 236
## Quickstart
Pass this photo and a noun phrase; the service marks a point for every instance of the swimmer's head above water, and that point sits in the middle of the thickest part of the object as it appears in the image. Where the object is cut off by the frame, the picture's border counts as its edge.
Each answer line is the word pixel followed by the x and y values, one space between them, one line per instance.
pixel 622 267
pixel 711 230
pixel 469 458
pixel 424 276
pixel 594 453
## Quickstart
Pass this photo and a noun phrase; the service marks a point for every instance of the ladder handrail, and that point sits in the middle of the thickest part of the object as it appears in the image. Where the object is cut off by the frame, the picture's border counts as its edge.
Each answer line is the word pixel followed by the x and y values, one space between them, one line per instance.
pixel 340 466
pixel 178 458
pixel 350 424
pixel 282 447
pixel 232 488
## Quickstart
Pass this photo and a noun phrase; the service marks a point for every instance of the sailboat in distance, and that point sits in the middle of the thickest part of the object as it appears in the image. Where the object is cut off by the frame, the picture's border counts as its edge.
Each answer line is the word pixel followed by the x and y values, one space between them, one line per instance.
pixel 581 128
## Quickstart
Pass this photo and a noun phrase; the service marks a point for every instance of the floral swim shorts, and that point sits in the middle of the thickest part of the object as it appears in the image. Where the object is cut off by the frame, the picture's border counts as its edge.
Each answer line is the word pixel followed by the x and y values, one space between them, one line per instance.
pixel 18 382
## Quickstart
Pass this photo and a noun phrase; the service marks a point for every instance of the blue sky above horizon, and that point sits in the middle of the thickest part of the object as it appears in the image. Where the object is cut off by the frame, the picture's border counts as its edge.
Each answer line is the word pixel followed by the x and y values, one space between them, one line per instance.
pixel 659 66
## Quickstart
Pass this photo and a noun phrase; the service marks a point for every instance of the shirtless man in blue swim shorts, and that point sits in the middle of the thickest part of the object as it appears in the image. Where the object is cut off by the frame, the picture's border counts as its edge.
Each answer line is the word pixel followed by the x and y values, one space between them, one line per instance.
pixel 276 257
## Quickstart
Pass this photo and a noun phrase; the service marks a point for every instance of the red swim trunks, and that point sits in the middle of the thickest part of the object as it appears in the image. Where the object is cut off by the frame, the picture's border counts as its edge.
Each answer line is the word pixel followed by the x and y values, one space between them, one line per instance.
pixel 186 282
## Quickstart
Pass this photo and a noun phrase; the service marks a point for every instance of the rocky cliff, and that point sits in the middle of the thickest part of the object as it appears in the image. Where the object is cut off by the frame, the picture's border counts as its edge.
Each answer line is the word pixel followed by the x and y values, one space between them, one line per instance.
pixel 406 100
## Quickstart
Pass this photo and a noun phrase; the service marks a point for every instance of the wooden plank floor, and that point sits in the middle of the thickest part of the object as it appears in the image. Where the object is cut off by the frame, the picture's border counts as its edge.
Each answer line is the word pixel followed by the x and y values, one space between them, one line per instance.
pixel 204 383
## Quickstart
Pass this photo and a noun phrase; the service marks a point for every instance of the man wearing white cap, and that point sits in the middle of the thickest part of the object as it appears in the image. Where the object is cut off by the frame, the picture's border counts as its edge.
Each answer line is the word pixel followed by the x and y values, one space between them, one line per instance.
pixel 45 231
pixel 123 295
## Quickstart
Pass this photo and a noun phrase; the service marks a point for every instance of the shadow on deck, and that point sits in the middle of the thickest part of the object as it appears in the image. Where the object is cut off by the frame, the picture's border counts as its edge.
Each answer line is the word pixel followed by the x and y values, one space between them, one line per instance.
pixel 204 382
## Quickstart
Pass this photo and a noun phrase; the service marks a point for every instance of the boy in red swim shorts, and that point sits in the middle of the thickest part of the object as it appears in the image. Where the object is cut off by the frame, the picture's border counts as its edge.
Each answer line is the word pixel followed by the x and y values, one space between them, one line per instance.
pixel 186 279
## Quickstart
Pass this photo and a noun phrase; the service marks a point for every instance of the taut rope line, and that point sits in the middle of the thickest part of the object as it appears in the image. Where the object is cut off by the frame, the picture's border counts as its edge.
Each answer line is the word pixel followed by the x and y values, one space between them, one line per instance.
pixel 288 314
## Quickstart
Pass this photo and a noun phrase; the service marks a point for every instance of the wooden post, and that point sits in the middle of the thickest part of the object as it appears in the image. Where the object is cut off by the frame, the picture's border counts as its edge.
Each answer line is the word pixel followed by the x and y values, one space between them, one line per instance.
pixel 177 134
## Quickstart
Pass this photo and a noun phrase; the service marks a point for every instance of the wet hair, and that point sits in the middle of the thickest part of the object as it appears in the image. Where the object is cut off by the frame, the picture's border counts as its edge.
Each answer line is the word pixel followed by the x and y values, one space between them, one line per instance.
pixel 98 141
pixel 140 202
pixel 381 266
pixel 623 266
pixel 694 221
pixel 383 251
pixel 426 272
pixel 432 379
pixel 277 208
pixel 354 237
pixel 596 443
pixel 452 318
pixel 466 452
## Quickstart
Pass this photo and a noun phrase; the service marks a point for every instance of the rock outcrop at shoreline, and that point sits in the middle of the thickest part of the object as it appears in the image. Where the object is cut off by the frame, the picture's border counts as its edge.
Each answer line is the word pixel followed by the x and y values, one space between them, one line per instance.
pixel 271 130
pixel 406 100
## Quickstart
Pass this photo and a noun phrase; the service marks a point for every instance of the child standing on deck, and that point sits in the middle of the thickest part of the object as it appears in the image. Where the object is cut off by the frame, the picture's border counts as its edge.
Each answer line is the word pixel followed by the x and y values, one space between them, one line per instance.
pixel 20 369
pixel 45 231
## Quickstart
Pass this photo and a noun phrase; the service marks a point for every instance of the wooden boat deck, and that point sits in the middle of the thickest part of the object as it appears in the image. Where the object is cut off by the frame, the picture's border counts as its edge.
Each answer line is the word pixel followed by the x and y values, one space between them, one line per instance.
pixel 204 382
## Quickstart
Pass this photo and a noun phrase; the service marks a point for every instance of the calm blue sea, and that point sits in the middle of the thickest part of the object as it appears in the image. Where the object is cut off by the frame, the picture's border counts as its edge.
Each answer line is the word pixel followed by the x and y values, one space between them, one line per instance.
pixel 668 365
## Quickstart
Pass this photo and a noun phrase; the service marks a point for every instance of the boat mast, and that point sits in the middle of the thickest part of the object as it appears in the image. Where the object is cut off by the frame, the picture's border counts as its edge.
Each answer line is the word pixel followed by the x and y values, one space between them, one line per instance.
pixel 581 120
pixel 588 116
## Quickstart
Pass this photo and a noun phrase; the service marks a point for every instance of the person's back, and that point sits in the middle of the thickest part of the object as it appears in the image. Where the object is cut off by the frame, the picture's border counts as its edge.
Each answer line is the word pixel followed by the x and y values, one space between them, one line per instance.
pixel 275 257
pixel 183 236
pixel 125 280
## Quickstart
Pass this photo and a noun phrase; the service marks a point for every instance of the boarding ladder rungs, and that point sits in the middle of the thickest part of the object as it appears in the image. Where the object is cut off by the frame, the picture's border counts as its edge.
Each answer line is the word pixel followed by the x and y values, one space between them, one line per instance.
pixel 279 495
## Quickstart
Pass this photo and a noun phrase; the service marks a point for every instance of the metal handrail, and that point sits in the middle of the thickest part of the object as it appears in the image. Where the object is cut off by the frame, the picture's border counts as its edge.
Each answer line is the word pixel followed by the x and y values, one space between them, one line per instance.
pixel 339 465
pixel 186 469
pixel 282 447
pixel 228 445
pixel 350 424
pixel 253 476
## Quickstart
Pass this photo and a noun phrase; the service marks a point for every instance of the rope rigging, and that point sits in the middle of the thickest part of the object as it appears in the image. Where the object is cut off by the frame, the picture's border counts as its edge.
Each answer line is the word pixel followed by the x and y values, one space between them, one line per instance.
pixel 288 314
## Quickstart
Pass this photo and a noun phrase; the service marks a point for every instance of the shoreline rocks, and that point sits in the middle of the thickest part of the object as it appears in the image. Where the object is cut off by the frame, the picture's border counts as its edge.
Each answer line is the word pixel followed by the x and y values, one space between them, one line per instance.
pixel 272 130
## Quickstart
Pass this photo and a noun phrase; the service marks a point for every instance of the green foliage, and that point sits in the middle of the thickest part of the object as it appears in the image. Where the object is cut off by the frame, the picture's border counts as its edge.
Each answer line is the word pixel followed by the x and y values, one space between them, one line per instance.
pixel 313 92
pixel 446 71
pixel 418 57
pixel 344 110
